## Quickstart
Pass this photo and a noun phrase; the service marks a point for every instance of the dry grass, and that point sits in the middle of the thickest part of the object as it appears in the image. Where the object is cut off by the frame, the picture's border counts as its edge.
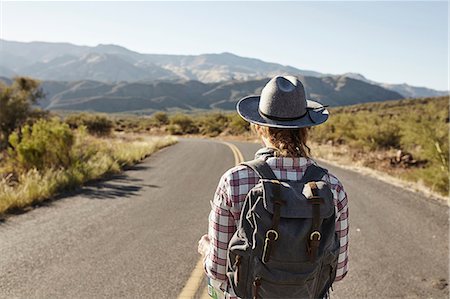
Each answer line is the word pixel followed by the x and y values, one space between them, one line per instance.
pixel 97 157
pixel 348 158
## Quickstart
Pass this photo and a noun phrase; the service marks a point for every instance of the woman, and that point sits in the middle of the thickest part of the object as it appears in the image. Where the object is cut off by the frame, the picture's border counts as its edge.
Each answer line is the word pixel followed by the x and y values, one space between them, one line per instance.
pixel 281 117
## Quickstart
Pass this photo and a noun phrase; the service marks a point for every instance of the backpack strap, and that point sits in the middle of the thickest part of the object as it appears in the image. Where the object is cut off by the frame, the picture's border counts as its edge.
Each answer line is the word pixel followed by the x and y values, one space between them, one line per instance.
pixel 313 173
pixel 261 168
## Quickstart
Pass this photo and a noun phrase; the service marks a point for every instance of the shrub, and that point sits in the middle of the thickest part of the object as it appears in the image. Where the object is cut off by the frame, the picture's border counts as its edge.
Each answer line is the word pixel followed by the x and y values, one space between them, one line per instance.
pixel 91 158
pixel 45 144
pixel 211 124
pixel 96 124
pixel 16 105
pixel 160 119
pixel 182 124
pixel 237 124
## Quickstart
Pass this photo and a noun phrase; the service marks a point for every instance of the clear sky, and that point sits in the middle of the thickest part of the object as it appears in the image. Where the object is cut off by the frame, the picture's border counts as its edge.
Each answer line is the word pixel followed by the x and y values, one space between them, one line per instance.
pixel 392 42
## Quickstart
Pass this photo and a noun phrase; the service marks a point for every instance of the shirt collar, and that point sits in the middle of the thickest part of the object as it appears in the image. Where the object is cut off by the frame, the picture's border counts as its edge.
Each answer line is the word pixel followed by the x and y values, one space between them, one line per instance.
pixel 272 157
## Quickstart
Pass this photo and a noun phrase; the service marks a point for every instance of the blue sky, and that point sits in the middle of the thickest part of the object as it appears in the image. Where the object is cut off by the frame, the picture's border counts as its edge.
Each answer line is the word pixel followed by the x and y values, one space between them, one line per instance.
pixel 393 42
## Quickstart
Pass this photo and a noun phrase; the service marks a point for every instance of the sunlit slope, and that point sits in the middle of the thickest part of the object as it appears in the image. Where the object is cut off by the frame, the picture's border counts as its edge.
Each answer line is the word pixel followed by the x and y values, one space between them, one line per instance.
pixel 195 95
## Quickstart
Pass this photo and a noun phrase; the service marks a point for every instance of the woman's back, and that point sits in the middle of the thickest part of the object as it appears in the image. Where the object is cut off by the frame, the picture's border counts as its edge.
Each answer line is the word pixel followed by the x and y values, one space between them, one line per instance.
pixel 230 197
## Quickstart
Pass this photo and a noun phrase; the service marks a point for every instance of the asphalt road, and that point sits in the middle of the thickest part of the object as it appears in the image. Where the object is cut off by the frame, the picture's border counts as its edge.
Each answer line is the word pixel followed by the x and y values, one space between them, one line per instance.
pixel 136 235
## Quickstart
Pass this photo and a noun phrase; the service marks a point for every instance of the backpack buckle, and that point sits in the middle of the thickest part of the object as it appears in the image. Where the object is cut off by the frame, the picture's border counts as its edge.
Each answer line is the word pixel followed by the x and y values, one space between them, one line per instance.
pixel 313 244
pixel 275 234
pixel 271 236
pixel 315 233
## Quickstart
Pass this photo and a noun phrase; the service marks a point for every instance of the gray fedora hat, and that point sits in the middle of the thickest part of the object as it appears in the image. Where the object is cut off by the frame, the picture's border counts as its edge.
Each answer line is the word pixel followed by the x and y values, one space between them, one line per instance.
pixel 282 104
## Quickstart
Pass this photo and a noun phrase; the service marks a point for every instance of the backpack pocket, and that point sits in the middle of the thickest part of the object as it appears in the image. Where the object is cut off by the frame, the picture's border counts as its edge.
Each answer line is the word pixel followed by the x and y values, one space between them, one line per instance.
pixel 328 273
pixel 238 275
pixel 284 280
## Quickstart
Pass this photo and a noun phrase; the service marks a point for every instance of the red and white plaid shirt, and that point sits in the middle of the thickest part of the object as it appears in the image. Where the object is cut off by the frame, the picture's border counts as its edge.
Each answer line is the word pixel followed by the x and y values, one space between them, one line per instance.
pixel 229 199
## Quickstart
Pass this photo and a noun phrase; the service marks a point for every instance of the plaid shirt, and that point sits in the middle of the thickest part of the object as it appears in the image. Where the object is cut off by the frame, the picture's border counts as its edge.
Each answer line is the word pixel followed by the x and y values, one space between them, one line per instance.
pixel 229 199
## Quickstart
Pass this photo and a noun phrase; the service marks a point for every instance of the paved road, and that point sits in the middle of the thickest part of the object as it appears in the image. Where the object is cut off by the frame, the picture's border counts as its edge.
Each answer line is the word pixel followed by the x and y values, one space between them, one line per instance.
pixel 135 235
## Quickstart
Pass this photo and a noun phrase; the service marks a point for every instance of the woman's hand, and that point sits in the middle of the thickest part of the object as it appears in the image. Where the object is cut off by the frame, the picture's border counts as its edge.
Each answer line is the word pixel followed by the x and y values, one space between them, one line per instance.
pixel 203 245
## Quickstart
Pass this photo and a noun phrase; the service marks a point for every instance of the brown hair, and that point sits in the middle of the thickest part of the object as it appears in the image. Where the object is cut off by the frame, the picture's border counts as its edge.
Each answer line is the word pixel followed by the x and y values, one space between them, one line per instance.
pixel 289 142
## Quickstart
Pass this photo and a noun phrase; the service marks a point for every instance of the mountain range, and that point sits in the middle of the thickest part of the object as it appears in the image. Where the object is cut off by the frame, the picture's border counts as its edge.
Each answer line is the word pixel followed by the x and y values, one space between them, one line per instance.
pixel 147 97
pixel 112 63
pixel 111 78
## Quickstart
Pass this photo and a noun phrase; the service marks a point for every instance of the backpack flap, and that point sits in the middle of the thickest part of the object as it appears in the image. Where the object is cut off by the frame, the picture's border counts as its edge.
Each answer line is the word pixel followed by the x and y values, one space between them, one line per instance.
pixel 295 196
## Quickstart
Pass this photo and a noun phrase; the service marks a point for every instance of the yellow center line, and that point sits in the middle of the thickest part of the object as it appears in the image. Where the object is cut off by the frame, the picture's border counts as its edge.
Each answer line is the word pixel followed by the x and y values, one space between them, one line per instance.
pixel 238 157
pixel 194 282
pixel 195 279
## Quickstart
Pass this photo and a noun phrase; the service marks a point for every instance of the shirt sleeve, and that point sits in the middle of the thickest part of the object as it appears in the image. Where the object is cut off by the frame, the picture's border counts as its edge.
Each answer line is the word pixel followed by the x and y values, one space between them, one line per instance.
pixel 220 230
pixel 341 226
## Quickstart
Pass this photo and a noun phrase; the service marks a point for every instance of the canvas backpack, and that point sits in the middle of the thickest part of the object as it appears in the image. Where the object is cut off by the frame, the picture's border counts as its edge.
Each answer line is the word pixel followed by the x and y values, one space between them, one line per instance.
pixel 285 245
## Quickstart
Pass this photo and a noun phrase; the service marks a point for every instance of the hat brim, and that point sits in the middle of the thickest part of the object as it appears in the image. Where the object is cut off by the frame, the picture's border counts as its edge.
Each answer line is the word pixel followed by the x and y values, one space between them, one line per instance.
pixel 248 109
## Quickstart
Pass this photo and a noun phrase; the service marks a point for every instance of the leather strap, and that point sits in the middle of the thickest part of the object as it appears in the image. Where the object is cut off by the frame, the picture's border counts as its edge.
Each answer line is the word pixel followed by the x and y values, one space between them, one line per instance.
pixel 315 236
pixel 272 234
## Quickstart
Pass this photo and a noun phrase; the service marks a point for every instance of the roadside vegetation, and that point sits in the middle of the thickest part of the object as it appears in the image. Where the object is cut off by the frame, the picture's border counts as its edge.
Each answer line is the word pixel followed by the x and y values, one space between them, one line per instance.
pixel 406 138
pixel 42 155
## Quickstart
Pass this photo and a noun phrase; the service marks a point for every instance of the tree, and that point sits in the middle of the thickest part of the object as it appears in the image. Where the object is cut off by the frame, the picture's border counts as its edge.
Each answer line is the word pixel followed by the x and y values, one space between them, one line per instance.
pixel 16 105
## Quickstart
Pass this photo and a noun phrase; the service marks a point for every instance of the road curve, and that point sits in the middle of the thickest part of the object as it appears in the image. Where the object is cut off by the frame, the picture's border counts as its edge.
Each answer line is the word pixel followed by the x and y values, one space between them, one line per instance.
pixel 136 235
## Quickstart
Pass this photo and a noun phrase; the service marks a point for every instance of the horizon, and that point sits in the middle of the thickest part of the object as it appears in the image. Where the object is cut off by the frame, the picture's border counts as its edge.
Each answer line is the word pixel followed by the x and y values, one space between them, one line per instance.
pixel 218 53
pixel 414 48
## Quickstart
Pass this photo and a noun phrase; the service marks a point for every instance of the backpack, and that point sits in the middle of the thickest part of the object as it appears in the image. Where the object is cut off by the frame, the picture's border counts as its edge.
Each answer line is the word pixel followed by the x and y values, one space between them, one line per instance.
pixel 285 245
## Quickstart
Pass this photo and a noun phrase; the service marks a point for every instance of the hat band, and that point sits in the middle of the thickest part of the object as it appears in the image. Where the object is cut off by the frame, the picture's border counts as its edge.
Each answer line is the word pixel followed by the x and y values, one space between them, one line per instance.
pixel 282 118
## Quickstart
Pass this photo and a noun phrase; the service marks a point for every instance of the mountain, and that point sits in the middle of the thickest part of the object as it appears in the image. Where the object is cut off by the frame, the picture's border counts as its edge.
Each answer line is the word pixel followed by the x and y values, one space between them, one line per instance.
pixel 115 64
pixel 404 89
pixel 147 97
pixel 111 63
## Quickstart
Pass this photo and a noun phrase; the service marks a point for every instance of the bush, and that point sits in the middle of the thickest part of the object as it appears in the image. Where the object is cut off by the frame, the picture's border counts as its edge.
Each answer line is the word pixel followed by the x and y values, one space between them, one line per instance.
pixel 182 124
pixel 45 144
pixel 92 158
pixel 96 124
pixel 237 124
pixel 160 119
pixel 16 105
pixel 211 124
pixel 419 127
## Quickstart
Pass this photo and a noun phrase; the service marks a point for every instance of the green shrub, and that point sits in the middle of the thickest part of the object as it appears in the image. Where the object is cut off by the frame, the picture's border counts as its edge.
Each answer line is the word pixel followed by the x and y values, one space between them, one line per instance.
pixel 96 124
pixel 160 119
pixel 92 158
pixel 182 124
pixel 211 124
pixel 237 124
pixel 46 144
pixel 16 105
pixel 417 126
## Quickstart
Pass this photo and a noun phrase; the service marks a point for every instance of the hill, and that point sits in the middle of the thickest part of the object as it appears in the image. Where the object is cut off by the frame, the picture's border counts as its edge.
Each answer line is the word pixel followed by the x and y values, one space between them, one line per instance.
pixel 147 97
